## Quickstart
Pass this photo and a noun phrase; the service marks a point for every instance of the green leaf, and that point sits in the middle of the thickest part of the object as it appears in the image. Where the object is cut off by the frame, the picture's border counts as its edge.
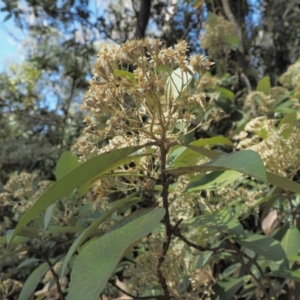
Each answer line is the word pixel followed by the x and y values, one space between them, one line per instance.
pixel 225 93
pixel 27 262
pixel 48 216
pixel 212 18
pixel 14 252
pixel 230 270
pixel 283 182
pixel 292 275
pixel 289 119
pixel 226 288
pixel 76 177
pixel 264 85
pixel 224 104
pixel 32 281
pixel 203 259
pixel 221 221
pixel 83 189
pixel 246 161
pixel 213 181
pixel 266 246
pixel 183 156
pixel 281 232
pixel 177 82
pixel 293 258
pixel 97 261
pixel 88 231
pixel 67 162
pixel 285 107
pixel 9 234
pixel 291 241
pixel 62 230
pixel 122 73
pixel 17 240
pixel 232 41
pixel 271 178
pixel 212 154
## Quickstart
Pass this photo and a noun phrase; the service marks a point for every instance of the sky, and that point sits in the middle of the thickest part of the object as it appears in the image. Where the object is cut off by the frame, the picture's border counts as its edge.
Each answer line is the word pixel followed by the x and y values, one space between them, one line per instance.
pixel 10 49
pixel 8 46
pixel 11 46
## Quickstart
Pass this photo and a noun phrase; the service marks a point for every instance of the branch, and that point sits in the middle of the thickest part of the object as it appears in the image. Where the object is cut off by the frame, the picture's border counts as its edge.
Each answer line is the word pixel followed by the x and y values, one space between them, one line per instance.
pixel 234 23
pixel 288 9
pixel 177 233
pixel 143 18
pixel 260 270
pixel 240 255
pixel 246 80
pixel 55 276
pixel 189 243
pixel 168 227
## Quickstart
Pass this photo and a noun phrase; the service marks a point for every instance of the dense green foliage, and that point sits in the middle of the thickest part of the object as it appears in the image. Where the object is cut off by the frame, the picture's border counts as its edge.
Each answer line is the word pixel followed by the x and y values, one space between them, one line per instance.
pixel 177 178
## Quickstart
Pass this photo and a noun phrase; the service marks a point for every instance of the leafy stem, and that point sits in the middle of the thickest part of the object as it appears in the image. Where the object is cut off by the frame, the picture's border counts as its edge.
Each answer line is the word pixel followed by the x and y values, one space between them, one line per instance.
pixel 240 256
pixel 168 227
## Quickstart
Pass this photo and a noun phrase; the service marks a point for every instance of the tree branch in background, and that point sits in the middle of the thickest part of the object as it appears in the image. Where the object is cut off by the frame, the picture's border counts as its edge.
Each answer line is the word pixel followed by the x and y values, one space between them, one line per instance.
pixel 246 80
pixel 143 18
pixel 235 25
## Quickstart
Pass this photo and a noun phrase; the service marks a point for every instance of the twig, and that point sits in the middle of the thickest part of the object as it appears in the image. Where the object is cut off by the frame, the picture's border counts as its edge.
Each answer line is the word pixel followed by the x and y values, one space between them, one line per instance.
pixel 288 9
pixel 246 80
pixel 193 245
pixel 176 226
pixel 158 297
pixel 260 270
pixel 240 255
pixel 143 18
pixel 189 243
pixel 55 276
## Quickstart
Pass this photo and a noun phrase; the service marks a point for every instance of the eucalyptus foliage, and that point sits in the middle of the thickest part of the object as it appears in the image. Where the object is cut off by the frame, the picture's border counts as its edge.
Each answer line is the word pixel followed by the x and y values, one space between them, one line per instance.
pixel 183 180
pixel 158 214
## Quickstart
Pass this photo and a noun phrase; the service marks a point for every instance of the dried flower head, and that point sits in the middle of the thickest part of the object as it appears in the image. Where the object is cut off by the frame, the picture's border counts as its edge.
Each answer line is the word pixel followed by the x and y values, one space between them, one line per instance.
pixel 278 146
pixel 218 32
pixel 141 95
pixel 291 78
pixel 144 105
pixel 259 103
pixel 8 287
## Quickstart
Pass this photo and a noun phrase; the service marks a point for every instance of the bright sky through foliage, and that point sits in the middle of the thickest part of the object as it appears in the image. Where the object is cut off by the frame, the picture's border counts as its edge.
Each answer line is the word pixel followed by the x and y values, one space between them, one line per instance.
pixel 8 43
